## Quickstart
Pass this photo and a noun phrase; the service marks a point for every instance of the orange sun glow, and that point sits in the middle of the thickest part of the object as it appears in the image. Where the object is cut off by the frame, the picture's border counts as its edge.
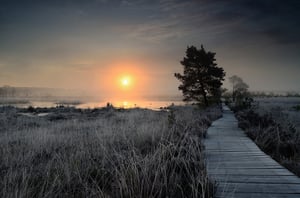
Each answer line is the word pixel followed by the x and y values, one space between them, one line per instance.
pixel 125 81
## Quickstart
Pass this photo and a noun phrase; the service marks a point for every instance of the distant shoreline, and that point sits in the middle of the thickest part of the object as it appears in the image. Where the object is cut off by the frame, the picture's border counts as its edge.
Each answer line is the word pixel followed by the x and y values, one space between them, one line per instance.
pixel 84 104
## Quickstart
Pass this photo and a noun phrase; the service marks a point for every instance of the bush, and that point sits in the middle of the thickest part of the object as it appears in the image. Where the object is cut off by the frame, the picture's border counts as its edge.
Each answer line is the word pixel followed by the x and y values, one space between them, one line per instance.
pixel 297 107
pixel 277 140
pixel 31 109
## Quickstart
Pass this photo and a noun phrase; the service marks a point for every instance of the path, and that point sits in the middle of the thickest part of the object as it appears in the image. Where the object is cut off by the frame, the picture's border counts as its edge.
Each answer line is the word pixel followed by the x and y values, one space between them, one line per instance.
pixel 240 168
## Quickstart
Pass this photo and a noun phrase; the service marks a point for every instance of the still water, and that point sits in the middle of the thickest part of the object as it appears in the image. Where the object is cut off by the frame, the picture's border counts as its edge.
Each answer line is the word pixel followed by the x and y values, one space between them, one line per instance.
pixel 84 105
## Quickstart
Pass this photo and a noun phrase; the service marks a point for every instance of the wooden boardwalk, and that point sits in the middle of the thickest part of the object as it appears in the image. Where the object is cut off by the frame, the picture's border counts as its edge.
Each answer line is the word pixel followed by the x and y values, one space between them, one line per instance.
pixel 240 168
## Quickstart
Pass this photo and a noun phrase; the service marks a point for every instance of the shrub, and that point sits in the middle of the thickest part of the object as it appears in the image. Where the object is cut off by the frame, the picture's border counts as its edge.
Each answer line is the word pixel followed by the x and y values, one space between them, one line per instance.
pixel 277 140
pixel 130 153
pixel 297 107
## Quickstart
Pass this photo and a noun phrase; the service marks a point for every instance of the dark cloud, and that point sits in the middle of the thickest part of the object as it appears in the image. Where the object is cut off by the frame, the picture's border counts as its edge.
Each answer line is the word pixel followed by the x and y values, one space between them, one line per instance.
pixel 282 35
pixel 274 19
pixel 249 19
pixel 277 20
pixel 54 32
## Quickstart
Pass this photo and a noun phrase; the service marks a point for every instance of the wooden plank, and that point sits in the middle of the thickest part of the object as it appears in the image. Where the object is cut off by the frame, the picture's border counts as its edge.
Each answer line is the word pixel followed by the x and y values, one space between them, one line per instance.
pixel 235 154
pixel 259 188
pixel 291 179
pixel 240 168
pixel 216 160
pixel 245 150
pixel 248 173
pixel 256 195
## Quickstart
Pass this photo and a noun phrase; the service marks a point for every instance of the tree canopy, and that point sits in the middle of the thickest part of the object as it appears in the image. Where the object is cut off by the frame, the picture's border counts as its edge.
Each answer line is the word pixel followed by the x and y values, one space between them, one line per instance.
pixel 201 78
pixel 240 95
pixel 239 87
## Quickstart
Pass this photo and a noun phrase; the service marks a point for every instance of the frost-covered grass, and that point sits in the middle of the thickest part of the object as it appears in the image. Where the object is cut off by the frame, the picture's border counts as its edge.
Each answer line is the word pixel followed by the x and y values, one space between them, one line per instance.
pixel 104 153
pixel 275 127
pixel 284 109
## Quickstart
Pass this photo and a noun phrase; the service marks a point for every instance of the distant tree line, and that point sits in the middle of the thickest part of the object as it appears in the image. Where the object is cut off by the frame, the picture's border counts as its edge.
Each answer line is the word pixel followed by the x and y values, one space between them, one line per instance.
pixel 7 91
pixel 274 94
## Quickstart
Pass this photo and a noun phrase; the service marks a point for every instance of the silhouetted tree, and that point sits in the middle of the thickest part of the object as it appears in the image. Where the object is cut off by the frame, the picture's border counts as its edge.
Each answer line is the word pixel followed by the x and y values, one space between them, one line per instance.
pixel 201 77
pixel 239 87
pixel 240 95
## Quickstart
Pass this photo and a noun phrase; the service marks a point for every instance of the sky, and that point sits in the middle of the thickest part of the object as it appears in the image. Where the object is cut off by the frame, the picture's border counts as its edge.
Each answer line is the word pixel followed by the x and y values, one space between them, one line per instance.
pixel 92 44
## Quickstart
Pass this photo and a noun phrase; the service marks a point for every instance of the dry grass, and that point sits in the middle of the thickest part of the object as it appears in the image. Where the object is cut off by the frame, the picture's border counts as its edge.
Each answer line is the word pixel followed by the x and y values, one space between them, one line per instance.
pixel 274 126
pixel 104 153
pixel 283 109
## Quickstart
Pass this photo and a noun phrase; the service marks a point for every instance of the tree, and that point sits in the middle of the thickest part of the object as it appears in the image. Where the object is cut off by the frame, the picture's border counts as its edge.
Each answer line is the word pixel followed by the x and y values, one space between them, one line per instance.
pixel 201 77
pixel 239 87
pixel 240 95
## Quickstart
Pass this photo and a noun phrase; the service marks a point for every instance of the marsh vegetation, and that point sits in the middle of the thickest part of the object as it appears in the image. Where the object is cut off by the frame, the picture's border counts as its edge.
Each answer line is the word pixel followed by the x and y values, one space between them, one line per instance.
pixel 274 125
pixel 105 152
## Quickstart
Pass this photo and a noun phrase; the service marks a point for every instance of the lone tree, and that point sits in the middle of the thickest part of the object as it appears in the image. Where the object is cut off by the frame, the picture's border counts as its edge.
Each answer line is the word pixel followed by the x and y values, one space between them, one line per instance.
pixel 201 77
pixel 239 88
pixel 240 95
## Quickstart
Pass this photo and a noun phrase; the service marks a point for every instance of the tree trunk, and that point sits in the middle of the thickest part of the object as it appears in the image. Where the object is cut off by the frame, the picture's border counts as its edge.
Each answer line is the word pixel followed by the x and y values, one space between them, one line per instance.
pixel 204 96
pixel 205 99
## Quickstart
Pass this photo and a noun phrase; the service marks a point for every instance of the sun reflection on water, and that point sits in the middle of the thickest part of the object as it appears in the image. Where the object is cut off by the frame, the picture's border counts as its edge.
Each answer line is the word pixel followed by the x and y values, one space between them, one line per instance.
pixel 126 104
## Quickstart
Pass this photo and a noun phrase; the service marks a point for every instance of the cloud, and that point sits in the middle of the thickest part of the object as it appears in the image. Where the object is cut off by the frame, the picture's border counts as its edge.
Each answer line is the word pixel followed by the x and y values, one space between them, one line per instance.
pixel 282 36
pixel 174 19
pixel 180 19
pixel 81 66
pixel 155 31
pixel 276 20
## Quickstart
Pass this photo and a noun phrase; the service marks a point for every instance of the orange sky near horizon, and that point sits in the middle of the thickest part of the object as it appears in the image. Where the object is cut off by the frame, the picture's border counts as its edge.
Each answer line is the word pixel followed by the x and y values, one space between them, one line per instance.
pixel 86 47
pixel 110 80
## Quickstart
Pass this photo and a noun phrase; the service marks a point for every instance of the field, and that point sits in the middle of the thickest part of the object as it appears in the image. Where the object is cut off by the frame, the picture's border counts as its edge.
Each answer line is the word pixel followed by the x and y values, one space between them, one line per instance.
pixel 274 125
pixel 106 152
pixel 283 109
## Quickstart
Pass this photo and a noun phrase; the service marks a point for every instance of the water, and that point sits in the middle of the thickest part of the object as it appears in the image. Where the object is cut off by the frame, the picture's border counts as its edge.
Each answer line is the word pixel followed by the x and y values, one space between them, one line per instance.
pixel 131 104
pixel 155 105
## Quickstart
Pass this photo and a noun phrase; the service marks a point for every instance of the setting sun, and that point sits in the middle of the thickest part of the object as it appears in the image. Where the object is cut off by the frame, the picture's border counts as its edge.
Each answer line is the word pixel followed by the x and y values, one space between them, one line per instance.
pixel 125 81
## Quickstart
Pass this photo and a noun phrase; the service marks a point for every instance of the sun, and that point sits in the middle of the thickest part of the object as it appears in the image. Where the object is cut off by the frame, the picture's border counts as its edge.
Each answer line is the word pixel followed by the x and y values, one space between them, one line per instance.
pixel 125 81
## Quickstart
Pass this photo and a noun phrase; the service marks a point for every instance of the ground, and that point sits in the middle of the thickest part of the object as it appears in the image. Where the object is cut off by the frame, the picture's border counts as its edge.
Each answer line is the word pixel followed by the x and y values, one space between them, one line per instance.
pixel 106 152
